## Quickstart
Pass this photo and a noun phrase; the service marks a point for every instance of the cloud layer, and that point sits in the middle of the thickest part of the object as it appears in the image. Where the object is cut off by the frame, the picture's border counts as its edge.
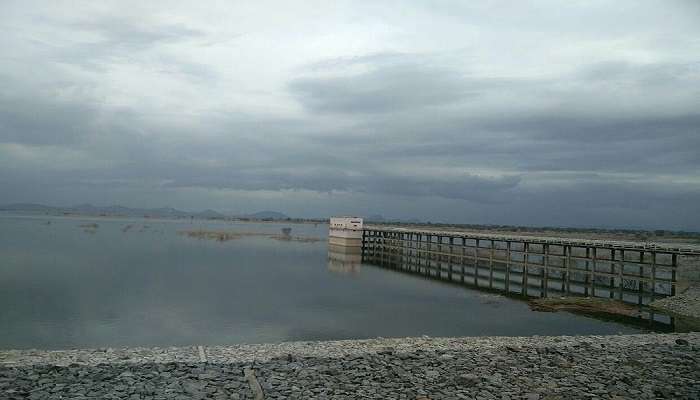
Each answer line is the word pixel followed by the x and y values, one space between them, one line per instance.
pixel 535 113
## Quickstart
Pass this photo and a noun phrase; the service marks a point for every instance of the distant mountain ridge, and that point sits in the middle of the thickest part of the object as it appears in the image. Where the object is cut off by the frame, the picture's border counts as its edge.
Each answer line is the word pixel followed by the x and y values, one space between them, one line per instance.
pixel 267 215
pixel 117 210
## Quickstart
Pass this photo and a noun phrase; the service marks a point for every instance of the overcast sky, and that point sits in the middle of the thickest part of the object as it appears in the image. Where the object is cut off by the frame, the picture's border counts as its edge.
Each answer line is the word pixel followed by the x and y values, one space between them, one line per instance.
pixel 574 113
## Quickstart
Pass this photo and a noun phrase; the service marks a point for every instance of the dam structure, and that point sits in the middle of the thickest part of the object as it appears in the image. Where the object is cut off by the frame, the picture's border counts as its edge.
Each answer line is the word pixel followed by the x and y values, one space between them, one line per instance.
pixel 535 266
pixel 345 232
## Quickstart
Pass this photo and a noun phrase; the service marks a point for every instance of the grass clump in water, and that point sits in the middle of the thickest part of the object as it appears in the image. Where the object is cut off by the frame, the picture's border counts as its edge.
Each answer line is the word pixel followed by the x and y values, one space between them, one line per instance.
pixel 584 305
pixel 223 236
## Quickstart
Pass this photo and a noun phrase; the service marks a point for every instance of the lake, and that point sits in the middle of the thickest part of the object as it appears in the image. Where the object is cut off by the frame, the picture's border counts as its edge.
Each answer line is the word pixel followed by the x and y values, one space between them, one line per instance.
pixel 68 282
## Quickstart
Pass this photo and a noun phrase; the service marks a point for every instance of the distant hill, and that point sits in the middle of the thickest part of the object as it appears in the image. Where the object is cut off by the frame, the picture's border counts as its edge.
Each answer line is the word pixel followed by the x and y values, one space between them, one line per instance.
pixel 378 218
pixel 375 218
pixel 267 215
pixel 26 207
pixel 116 210
pixel 210 214
pixel 163 212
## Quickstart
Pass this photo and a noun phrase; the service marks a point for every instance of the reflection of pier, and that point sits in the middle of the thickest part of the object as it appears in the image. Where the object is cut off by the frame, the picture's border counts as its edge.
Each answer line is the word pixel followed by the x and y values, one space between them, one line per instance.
pixel 344 259
pixel 535 266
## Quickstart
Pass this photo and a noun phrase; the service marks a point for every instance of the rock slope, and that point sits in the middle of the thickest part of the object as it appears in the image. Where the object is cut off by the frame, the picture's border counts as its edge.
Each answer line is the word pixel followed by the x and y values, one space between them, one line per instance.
pixel 585 367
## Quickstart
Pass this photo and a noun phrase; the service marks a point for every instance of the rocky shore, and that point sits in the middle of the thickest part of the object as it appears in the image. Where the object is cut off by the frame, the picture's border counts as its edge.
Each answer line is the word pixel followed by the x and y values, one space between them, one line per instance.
pixel 685 304
pixel 582 367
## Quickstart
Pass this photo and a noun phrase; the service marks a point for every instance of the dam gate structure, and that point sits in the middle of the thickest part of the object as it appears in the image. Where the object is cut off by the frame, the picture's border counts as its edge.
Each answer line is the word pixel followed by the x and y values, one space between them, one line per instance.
pixel 346 232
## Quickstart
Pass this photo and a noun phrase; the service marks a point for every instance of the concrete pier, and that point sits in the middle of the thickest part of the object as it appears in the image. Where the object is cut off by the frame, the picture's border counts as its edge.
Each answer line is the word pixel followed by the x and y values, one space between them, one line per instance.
pixel 633 272
pixel 345 231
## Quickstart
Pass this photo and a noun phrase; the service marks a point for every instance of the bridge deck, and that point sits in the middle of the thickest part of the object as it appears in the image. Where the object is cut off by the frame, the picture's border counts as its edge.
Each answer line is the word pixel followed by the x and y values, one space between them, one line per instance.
pixel 668 248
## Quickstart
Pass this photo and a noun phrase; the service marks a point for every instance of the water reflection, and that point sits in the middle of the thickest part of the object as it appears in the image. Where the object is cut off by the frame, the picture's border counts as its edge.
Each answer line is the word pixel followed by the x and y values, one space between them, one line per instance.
pixel 344 259
pixel 61 287
pixel 522 282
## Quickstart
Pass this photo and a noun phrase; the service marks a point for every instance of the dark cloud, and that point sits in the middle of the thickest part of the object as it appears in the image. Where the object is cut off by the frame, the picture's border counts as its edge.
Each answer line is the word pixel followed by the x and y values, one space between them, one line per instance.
pixel 468 124
pixel 467 187
pixel 387 89
pixel 590 134
pixel 41 121
pixel 119 32
pixel 646 74
pixel 105 40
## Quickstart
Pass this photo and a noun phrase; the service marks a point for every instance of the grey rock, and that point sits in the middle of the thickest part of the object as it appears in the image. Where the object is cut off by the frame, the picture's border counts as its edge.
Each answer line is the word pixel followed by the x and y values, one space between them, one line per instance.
pixel 634 366
pixel 467 379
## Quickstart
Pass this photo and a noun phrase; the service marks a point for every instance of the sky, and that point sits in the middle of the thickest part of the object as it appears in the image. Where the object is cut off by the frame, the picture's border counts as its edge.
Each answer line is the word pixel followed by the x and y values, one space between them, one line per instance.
pixel 542 113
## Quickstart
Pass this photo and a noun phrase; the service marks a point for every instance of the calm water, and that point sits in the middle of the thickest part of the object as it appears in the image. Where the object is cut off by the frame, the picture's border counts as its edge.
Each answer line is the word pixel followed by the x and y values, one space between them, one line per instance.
pixel 64 286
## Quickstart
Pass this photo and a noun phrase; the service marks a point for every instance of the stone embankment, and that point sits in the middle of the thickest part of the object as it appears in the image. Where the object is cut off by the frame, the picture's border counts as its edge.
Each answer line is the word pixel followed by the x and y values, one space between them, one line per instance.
pixel 685 304
pixel 583 367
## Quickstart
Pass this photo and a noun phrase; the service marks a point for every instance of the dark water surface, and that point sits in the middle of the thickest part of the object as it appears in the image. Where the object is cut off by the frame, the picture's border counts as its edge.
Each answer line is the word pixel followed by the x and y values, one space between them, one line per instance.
pixel 65 286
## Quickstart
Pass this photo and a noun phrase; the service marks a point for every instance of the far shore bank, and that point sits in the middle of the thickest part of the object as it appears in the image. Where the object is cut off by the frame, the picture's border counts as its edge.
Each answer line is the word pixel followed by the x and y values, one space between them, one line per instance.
pixel 164 219
pixel 674 237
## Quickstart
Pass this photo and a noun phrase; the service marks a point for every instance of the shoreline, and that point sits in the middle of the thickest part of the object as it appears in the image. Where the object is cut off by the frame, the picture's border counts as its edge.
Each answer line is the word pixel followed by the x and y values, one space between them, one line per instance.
pixel 686 304
pixel 604 234
pixel 326 349
pixel 616 367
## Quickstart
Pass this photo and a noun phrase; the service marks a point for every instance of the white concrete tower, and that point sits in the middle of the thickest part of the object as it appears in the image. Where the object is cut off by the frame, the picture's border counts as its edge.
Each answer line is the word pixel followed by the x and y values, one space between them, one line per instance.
pixel 345 231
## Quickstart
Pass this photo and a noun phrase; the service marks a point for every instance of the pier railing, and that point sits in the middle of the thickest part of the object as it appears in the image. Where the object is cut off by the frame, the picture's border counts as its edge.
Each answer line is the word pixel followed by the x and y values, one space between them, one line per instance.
pixel 531 265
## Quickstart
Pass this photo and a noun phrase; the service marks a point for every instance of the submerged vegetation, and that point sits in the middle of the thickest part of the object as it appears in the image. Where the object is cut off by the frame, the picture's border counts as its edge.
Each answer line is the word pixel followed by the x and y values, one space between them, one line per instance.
pixel 224 236
pixel 90 228
pixel 584 305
